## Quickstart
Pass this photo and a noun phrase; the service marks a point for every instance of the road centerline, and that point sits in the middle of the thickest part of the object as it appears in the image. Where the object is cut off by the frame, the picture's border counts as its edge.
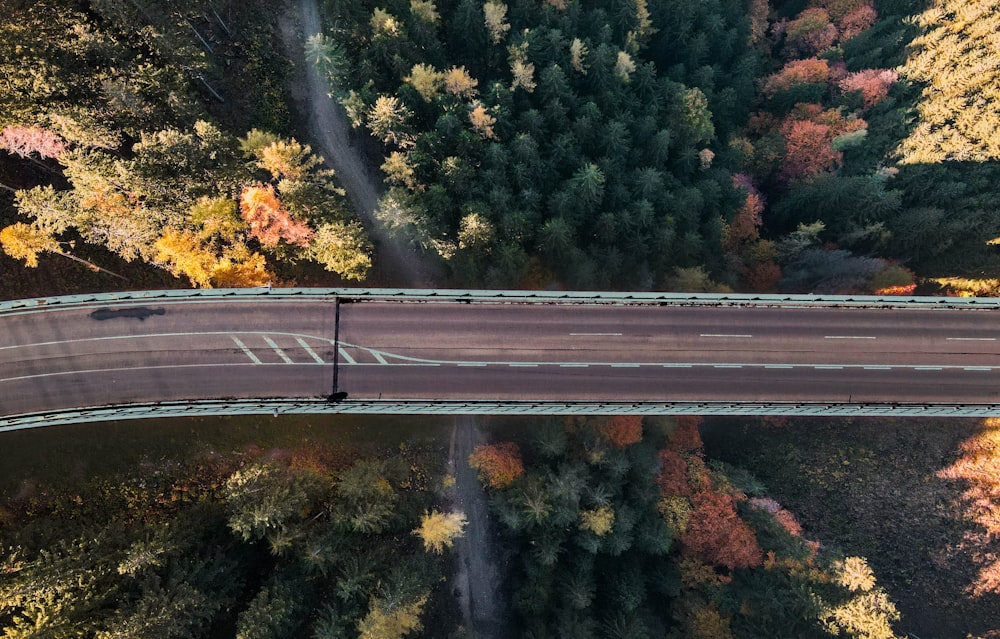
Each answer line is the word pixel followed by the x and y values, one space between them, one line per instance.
pixel 848 337
pixel 724 335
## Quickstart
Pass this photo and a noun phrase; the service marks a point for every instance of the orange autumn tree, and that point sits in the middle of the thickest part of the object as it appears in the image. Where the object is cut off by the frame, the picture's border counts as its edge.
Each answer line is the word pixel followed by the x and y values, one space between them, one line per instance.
pixel 622 431
pixel 269 221
pixel 747 254
pixel 874 84
pixel 795 73
pixel 711 530
pixel 498 464
pixel 717 535
pixel 809 132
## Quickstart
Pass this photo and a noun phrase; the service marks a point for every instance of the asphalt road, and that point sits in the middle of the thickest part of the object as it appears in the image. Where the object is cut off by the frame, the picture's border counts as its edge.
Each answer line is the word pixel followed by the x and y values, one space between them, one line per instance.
pixel 135 352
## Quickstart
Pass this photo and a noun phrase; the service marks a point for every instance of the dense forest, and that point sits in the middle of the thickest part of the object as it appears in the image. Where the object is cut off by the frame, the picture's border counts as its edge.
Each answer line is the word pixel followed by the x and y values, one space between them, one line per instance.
pixel 809 146
pixel 291 543
pixel 752 145
pixel 622 530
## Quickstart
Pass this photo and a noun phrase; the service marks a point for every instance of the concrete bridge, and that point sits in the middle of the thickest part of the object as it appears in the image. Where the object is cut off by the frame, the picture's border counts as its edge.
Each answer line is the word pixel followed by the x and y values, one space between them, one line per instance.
pixel 270 351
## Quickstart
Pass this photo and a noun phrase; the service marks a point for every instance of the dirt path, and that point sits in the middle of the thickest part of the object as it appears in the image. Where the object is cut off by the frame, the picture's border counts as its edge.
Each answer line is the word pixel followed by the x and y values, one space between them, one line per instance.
pixel 477 574
pixel 329 132
pixel 477 577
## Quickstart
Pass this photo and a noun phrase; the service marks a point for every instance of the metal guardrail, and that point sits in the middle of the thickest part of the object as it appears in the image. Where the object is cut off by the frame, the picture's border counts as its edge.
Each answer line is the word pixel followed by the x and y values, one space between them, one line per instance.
pixel 402 407
pixel 503 296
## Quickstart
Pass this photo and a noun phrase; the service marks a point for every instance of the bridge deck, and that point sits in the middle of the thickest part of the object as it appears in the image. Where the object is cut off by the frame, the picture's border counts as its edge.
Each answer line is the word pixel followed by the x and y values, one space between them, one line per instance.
pixel 64 357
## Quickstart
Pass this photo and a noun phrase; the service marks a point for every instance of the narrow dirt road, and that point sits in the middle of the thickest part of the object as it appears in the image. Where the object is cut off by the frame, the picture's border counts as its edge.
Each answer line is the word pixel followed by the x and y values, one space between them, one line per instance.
pixel 329 131
pixel 477 574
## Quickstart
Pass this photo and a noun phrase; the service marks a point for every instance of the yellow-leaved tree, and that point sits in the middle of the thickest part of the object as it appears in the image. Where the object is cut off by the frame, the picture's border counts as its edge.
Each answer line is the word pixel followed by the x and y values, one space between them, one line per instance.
pixel 388 618
pixel 24 242
pixel 439 530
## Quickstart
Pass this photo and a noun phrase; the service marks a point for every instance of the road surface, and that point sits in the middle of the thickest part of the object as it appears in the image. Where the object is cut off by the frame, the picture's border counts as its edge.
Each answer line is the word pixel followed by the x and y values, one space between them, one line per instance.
pixel 133 352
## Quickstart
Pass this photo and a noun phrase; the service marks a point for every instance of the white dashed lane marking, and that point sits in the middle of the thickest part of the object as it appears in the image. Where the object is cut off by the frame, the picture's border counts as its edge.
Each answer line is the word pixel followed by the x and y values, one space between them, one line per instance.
pixel 312 353
pixel 274 346
pixel 246 349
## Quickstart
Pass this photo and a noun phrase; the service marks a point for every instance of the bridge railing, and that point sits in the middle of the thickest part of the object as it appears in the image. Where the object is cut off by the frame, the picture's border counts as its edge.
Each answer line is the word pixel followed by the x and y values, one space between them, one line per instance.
pixel 276 407
pixel 503 296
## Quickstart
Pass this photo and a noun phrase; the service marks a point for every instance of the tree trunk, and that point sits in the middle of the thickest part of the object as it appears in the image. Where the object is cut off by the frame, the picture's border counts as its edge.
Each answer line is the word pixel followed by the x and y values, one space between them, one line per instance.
pixel 91 265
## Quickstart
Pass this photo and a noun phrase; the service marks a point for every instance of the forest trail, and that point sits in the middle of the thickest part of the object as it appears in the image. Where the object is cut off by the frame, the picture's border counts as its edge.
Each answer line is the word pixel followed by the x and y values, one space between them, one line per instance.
pixel 477 576
pixel 329 131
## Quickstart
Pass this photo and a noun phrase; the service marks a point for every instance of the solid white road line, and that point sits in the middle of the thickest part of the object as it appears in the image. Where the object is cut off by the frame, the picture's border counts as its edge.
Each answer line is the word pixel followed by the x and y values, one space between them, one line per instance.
pixel 284 357
pixel 246 349
pixel 312 353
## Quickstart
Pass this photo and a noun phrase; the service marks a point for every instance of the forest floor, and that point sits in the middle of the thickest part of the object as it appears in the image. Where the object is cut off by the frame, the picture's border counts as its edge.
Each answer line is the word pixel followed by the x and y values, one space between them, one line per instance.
pixel 872 487
pixel 477 575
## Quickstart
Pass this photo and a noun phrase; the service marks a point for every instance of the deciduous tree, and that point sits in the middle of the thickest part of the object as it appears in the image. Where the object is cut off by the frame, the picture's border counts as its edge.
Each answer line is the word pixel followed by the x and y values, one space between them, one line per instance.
pixel 268 219
pixel 439 530
pixel 24 242
pixel 342 248
pixel 716 534
pixel 498 464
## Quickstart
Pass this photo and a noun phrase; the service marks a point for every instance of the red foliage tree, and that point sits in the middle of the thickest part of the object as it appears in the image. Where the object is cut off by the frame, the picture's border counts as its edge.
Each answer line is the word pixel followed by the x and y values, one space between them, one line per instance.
pixel 811 32
pixel 808 151
pixel 717 535
pixel 25 140
pixel 745 227
pixel 269 220
pixel 795 73
pixel 673 476
pixel 622 431
pixel 784 517
pixel 857 21
pixel 498 464
pixel 874 84
pixel 685 438
pixel 762 277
